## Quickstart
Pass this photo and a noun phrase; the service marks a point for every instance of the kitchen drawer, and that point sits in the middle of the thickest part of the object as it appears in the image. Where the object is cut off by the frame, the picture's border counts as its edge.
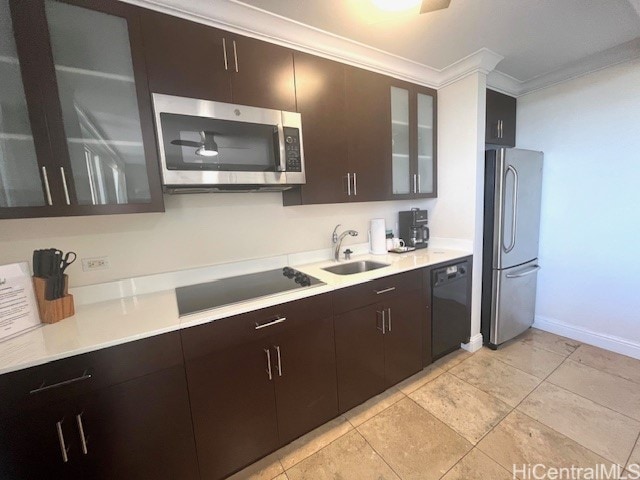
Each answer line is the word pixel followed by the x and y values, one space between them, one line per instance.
pixel 377 290
pixel 38 386
pixel 258 324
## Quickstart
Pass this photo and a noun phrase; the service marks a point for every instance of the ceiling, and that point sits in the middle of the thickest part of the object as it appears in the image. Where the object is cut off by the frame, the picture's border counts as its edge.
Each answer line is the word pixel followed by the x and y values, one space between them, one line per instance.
pixel 535 37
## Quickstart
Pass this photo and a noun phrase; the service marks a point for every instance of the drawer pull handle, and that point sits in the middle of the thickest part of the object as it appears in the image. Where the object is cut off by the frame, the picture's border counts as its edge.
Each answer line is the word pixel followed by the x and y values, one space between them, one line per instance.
pixel 63 447
pixel 269 372
pixel 389 319
pixel 277 320
pixel 43 387
pixel 83 439
pixel 386 290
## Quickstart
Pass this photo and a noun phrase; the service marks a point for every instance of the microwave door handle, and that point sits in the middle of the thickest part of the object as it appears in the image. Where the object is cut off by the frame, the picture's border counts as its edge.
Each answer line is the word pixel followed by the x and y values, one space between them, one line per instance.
pixel 283 157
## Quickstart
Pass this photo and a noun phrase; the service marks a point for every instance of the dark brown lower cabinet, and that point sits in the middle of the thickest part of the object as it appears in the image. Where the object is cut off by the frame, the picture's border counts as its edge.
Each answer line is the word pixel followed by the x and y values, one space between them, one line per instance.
pixel 139 429
pixel 403 337
pixel 259 380
pixel 360 356
pixel 233 401
pixel 306 387
pixel 380 344
pixel 30 446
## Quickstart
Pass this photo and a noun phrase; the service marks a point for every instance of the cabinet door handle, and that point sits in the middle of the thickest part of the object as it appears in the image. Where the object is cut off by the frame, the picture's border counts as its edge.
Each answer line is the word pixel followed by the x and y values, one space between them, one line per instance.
pixel 47 190
pixel 277 347
pixel 355 184
pixel 277 320
pixel 349 184
pixel 43 387
pixel 419 188
pixel 64 185
pixel 383 328
pixel 269 372
pixel 235 55
pixel 83 439
pixel 389 319
pixel 415 187
pixel 224 51
pixel 64 450
pixel 501 129
pixel 386 290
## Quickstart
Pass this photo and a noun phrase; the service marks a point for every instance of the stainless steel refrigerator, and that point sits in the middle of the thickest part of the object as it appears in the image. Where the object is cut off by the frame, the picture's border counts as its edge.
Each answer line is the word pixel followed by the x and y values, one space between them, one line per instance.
pixel 513 183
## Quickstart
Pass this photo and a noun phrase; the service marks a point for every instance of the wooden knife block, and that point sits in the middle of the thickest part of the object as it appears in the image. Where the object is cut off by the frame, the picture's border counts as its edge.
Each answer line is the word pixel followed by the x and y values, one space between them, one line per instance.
pixel 52 311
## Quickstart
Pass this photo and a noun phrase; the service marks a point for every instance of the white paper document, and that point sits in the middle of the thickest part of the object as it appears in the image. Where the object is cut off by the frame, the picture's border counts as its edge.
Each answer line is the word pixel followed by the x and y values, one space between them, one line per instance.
pixel 18 306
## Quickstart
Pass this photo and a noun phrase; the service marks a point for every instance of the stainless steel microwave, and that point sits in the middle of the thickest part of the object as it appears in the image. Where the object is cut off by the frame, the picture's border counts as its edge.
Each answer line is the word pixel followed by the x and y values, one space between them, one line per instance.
pixel 212 146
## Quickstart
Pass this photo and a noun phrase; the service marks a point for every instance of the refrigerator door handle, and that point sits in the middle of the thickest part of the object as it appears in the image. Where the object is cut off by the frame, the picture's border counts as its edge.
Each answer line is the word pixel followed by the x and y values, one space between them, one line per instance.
pixel 514 214
pixel 525 273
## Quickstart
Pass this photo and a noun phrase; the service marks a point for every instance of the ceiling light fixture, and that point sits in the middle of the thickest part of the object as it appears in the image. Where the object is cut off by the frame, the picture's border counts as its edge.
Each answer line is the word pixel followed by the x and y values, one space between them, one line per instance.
pixel 396 5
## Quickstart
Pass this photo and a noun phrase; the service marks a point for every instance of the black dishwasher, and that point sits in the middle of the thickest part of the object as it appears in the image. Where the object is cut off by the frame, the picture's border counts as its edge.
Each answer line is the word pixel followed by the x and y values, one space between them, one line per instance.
pixel 451 312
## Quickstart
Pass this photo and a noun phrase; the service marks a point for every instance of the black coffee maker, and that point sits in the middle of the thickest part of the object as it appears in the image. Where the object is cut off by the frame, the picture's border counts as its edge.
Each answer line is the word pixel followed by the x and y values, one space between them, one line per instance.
pixel 413 228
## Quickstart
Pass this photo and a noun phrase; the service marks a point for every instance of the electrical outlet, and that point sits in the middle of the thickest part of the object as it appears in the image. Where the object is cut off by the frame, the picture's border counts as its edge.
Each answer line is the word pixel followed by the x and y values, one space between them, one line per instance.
pixel 95 263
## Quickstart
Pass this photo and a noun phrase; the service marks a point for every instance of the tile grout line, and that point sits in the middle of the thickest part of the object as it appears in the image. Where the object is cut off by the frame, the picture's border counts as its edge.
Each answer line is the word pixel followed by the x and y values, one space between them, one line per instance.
pixel 637 420
pixel 383 410
pixel 632 450
pixel 516 407
pixel 604 371
pixel 551 428
pixel 384 460
pixel 475 447
pixel 460 433
pixel 320 449
pixel 354 428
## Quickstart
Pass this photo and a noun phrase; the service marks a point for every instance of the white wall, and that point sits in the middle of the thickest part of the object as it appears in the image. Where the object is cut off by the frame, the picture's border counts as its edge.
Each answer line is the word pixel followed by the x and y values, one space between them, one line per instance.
pixel 195 230
pixel 589 130
pixel 458 210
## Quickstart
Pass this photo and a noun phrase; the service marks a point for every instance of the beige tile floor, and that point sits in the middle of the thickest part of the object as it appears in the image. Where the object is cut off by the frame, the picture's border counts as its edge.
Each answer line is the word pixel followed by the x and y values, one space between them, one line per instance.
pixel 539 399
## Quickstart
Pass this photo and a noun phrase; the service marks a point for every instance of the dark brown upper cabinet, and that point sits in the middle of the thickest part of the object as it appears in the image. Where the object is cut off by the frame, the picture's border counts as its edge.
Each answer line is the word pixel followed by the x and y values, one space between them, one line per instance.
pixel 369 145
pixel 185 58
pixel 367 137
pixel 189 59
pixel 80 137
pixel 413 141
pixel 320 92
pixel 500 119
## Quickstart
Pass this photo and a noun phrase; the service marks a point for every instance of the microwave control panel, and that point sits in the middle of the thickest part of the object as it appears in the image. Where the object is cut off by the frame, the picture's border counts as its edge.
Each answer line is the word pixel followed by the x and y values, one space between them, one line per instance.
pixel 292 149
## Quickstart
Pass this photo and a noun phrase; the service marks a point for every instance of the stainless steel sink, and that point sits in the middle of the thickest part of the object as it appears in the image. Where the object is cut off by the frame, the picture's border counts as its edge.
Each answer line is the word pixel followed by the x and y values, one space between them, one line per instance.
pixel 355 267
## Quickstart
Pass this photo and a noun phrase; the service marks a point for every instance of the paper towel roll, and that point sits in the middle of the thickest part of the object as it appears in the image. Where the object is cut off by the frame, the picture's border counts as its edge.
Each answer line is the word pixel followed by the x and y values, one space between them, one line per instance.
pixel 377 237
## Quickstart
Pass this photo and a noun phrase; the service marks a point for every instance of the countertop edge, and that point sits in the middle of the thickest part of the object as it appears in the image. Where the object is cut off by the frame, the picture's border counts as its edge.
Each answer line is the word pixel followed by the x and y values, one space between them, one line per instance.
pixel 189 321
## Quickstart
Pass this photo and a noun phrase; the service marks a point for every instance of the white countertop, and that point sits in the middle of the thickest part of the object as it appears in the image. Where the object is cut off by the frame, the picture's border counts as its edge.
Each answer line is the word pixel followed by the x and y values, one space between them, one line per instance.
pixel 113 322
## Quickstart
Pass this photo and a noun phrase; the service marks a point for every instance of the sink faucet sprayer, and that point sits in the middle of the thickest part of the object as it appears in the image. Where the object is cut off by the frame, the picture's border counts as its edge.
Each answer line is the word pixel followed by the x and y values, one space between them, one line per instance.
pixel 337 240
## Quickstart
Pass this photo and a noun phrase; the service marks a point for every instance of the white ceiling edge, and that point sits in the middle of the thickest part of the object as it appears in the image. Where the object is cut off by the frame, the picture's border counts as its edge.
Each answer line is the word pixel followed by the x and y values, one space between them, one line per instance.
pixel 251 21
pixel 619 54
pixel 248 20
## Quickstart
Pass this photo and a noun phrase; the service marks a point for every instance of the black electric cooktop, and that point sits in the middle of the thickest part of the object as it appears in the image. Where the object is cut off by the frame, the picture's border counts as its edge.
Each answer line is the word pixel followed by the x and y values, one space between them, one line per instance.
pixel 205 296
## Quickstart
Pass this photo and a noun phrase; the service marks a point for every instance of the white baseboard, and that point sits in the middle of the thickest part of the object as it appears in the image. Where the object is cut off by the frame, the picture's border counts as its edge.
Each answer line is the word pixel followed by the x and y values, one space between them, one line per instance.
pixel 602 340
pixel 475 344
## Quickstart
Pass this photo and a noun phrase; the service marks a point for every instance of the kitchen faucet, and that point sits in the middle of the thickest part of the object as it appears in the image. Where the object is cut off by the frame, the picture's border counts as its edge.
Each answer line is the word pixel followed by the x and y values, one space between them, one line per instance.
pixel 337 240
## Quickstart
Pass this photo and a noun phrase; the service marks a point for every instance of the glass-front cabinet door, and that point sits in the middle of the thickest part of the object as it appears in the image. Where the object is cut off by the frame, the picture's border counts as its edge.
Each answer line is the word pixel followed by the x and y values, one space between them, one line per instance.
pixel 400 145
pixel 21 183
pixel 413 141
pixel 425 171
pixel 89 78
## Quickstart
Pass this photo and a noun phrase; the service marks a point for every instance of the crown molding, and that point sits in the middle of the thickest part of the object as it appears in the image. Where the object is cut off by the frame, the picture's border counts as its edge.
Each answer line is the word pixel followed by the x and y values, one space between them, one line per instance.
pixel 619 54
pixel 238 17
